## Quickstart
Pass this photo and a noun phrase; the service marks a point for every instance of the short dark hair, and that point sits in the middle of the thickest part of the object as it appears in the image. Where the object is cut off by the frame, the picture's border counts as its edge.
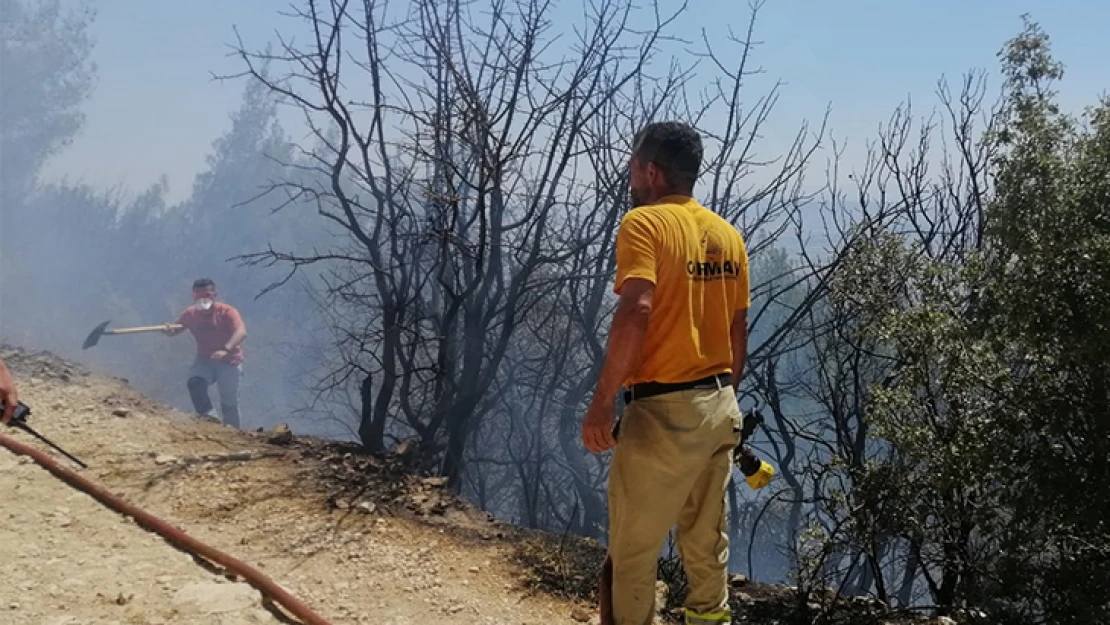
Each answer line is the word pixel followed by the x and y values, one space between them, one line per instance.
pixel 675 148
pixel 203 283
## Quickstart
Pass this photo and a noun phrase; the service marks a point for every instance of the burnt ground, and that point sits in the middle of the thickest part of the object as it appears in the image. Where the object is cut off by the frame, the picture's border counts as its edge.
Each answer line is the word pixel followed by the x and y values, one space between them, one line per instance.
pixel 361 538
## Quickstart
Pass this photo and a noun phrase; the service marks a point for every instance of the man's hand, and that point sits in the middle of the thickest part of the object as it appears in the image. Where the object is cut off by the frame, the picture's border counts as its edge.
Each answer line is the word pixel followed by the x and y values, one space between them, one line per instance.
pixel 219 355
pixel 8 394
pixel 597 427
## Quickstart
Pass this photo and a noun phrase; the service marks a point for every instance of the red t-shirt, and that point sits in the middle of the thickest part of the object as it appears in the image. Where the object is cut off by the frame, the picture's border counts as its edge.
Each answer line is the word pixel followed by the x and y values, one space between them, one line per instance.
pixel 212 329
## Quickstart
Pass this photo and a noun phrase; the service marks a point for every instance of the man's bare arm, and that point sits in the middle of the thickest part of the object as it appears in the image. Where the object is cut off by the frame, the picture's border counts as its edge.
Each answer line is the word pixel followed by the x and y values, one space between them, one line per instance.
pixel 738 333
pixel 237 337
pixel 8 394
pixel 622 355
pixel 626 336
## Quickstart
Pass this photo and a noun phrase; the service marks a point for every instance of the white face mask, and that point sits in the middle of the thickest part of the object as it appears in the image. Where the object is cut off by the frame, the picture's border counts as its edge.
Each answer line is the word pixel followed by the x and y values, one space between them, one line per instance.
pixel 204 303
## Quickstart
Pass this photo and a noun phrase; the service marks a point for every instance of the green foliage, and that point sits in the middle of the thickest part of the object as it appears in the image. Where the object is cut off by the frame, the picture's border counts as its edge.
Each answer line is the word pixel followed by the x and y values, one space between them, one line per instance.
pixel 44 49
pixel 1049 284
pixel 992 464
pixel 935 484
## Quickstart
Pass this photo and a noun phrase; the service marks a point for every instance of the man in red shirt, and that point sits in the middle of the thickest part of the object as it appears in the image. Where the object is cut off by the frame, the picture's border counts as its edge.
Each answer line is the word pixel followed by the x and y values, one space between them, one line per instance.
pixel 219 332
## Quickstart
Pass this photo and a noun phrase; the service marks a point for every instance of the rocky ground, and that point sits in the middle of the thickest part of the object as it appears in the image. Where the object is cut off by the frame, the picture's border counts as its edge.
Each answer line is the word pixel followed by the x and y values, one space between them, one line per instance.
pixel 67 560
pixel 359 538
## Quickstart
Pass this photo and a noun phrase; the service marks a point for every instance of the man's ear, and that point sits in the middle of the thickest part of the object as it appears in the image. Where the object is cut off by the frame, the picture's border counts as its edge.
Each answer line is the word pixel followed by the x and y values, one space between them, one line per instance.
pixel 655 176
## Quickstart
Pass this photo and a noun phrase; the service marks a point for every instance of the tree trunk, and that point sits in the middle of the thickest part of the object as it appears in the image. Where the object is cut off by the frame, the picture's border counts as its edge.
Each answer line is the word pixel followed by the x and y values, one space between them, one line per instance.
pixel 734 524
pixel 370 432
pixel 905 590
pixel 874 565
pixel 458 430
pixel 949 582
pixel 373 439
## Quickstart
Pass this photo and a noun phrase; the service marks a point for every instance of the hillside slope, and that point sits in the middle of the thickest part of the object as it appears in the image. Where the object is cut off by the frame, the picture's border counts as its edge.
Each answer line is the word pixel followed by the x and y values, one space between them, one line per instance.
pixel 359 538
pixel 67 560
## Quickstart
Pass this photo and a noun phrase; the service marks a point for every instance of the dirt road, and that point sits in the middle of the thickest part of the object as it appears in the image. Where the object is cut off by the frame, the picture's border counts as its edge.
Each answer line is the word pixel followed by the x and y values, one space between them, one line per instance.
pixel 67 560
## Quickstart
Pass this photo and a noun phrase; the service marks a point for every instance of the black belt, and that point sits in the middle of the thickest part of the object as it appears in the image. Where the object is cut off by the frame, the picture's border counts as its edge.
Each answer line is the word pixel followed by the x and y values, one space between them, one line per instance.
pixel 651 389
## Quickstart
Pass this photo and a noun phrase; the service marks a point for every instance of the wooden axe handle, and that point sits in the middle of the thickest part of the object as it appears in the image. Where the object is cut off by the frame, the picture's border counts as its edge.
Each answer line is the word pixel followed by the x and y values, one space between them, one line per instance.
pixel 164 326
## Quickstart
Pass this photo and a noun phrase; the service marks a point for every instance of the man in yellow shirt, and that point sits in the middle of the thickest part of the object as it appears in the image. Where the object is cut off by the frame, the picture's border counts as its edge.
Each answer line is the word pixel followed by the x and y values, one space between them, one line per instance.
pixel 677 345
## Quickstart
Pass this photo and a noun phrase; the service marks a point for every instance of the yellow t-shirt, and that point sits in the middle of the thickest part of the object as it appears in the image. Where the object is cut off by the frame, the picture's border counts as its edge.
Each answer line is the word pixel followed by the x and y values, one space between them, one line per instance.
pixel 699 265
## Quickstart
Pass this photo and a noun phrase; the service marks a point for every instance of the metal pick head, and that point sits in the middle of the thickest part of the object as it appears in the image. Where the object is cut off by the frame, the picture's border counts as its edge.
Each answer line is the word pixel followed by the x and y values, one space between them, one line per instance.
pixel 94 336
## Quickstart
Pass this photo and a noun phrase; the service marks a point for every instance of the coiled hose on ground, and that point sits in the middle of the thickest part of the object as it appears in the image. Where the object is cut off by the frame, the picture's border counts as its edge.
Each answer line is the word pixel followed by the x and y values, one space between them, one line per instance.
pixel 173 535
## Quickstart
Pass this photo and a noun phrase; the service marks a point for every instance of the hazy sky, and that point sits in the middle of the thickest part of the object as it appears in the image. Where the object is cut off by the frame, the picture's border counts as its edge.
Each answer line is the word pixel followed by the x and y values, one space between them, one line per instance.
pixel 156 109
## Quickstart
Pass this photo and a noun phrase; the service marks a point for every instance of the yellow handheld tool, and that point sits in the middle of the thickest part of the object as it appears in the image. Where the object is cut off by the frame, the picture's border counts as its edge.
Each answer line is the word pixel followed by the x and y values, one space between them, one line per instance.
pixel 757 473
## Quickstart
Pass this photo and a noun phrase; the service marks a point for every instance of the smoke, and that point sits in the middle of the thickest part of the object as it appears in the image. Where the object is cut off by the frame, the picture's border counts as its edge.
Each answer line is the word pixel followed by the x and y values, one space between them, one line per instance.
pixel 73 255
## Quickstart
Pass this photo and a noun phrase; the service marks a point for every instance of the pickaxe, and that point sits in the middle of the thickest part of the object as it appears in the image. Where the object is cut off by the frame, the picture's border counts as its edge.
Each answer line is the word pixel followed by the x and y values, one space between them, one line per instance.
pixel 101 330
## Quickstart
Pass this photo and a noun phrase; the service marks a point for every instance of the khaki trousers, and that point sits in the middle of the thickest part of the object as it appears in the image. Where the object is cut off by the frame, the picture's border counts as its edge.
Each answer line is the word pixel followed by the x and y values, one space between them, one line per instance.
pixel 671 466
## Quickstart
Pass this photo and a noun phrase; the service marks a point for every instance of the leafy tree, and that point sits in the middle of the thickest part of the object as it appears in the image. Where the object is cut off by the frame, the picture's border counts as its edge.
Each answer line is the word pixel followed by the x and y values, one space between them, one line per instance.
pixel 1049 290
pixel 46 72
pixel 987 463
pixel 45 76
